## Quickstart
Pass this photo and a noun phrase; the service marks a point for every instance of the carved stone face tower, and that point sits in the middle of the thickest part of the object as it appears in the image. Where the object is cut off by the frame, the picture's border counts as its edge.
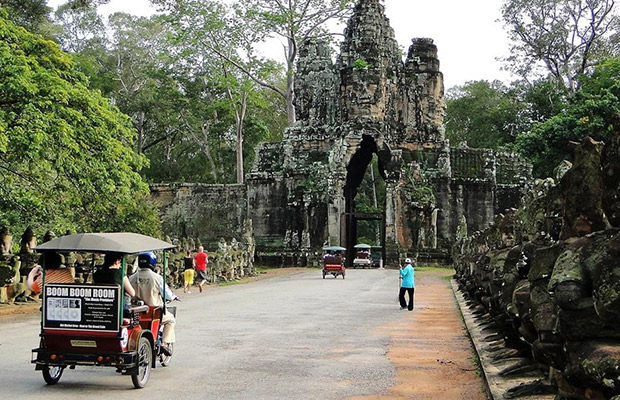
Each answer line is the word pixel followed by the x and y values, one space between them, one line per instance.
pixel 369 68
pixel 370 103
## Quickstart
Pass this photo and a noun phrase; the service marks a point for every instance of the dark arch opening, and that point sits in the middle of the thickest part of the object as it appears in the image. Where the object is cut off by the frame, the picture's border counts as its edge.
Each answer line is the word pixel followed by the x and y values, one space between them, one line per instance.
pixel 356 172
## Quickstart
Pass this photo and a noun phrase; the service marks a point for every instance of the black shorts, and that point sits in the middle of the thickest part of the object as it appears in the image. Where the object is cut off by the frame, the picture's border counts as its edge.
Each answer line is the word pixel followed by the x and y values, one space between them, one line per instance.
pixel 201 275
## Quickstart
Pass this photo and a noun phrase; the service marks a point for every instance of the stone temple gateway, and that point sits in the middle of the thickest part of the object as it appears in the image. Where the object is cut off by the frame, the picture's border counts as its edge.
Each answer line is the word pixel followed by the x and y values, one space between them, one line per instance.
pixel 371 102
pixel 368 103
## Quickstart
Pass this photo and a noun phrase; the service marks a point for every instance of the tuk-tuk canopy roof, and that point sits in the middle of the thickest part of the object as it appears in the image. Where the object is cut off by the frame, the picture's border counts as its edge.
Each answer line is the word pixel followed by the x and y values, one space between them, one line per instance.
pixel 118 242
pixel 362 246
pixel 334 248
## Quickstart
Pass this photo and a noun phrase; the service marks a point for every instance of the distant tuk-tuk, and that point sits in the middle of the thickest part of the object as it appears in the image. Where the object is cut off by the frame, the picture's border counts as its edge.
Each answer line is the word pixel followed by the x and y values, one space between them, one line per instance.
pixel 83 323
pixel 376 256
pixel 333 261
pixel 362 256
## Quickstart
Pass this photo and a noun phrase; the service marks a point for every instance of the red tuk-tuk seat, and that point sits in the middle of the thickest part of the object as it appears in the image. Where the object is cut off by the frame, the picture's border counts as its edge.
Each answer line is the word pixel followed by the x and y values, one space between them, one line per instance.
pixel 150 319
pixel 331 259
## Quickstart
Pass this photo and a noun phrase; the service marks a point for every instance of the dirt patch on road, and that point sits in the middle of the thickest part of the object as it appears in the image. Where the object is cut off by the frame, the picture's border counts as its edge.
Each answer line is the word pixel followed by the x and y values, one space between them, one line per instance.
pixel 272 273
pixel 17 309
pixel 430 347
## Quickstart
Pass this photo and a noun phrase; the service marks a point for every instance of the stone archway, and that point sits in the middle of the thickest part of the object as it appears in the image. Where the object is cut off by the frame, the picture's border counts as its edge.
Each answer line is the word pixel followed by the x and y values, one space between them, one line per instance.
pixel 357 168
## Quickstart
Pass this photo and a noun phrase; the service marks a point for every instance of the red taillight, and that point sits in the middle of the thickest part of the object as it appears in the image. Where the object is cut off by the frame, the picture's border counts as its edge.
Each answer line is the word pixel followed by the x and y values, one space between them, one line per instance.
pixel 53 357
pixel 99 358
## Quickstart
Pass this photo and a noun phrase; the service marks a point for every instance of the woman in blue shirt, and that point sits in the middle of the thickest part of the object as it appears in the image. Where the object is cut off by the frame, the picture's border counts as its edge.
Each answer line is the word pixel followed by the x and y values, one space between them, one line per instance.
pixel 407 284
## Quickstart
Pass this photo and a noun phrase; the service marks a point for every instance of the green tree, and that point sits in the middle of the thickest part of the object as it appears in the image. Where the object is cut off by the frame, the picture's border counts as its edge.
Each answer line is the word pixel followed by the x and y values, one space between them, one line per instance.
pixel 293 22
pixel 30 14
pixel 593 111
pixel 244 26
pixel 82 28
pixel 542 100
pixel 209 46
pixel 483 114
pixel 563 38
pixel 184 101
pixel 66 155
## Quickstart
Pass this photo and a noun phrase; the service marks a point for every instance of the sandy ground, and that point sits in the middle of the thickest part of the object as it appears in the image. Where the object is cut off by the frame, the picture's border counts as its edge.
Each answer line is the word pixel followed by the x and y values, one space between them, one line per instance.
pixel 429 347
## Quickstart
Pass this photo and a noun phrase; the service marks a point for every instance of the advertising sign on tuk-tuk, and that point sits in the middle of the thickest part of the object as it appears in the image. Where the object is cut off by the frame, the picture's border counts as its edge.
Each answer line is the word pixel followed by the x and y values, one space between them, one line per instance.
pixel 81 307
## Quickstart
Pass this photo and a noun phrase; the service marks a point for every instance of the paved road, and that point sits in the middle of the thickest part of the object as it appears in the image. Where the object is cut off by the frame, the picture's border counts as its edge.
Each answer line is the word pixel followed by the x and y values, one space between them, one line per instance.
pixel 290 337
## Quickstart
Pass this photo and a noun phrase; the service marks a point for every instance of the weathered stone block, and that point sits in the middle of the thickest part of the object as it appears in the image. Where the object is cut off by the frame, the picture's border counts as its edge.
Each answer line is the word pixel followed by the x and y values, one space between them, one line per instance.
pixel 543 262
pixel 596 363
pixel 569 282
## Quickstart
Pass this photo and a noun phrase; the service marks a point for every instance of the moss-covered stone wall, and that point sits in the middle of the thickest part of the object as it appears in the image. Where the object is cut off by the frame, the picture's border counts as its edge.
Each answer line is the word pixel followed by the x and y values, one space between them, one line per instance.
pixel 204 212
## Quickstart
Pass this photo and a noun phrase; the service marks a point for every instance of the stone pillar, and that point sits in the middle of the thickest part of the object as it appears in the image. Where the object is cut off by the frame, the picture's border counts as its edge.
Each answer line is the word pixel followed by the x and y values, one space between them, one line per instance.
pixel 443 197
pixel 6 241
pixel 425 108
pixel 392 206
pixel 335 208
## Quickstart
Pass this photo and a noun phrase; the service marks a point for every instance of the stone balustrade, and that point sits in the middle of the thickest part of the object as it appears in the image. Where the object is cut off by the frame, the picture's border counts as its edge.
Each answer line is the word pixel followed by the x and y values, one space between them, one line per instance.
pixel 548 275
pixel 230 261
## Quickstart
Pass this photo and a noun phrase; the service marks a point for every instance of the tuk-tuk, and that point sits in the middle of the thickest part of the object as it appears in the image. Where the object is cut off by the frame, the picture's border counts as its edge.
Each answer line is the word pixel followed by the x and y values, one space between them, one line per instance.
pixel 85 323
pixel 362 256
pixel 376 256
pixel 333 261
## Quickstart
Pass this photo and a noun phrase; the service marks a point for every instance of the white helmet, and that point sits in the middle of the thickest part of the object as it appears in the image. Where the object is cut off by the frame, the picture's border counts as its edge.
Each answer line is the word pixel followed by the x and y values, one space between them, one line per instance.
pixel 407 260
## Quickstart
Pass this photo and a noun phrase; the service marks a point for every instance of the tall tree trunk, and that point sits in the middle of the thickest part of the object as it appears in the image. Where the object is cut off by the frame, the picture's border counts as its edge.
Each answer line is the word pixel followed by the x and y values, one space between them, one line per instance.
pixel 206 148
pixel 291 53
pixel 203 142
pixel 140 144
pixel 240 108
pixel 240 117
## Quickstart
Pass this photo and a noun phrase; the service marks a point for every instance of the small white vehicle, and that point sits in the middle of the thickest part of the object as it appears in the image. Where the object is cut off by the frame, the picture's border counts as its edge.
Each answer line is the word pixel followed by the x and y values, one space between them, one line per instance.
pixel 362 256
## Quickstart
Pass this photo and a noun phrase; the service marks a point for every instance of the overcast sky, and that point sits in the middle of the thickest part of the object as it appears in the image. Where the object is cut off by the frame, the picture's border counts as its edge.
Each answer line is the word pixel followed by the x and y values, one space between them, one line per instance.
pixel 466 32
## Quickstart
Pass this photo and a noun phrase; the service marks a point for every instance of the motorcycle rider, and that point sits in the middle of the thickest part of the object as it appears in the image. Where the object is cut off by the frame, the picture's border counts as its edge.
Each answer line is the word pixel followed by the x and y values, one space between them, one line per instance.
pixel 149 287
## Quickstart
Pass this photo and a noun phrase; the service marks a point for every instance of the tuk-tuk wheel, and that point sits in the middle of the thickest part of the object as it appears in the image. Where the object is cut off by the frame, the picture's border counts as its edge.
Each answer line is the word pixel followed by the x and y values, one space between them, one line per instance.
pixel 145 358
pixel 324 274
pixel 52 375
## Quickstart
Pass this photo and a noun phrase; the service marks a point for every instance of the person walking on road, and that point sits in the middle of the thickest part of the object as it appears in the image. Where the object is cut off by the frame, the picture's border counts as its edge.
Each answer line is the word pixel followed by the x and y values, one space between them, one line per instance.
pixel 201 260
pixel 188 272
pixel 407 285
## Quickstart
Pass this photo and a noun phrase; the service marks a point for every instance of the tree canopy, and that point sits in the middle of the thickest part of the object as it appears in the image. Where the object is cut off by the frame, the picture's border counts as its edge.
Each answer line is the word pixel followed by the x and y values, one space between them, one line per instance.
pixel 564 37
pixel 234 32
pixel 30 14
pixel 197 116
pixel 483 114
pixel 593 111
pixel 66 155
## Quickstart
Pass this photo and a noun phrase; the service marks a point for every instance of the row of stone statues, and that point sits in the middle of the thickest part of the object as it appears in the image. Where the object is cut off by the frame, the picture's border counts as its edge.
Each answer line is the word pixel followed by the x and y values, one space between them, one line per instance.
pixel 229 261
pixel 549 273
